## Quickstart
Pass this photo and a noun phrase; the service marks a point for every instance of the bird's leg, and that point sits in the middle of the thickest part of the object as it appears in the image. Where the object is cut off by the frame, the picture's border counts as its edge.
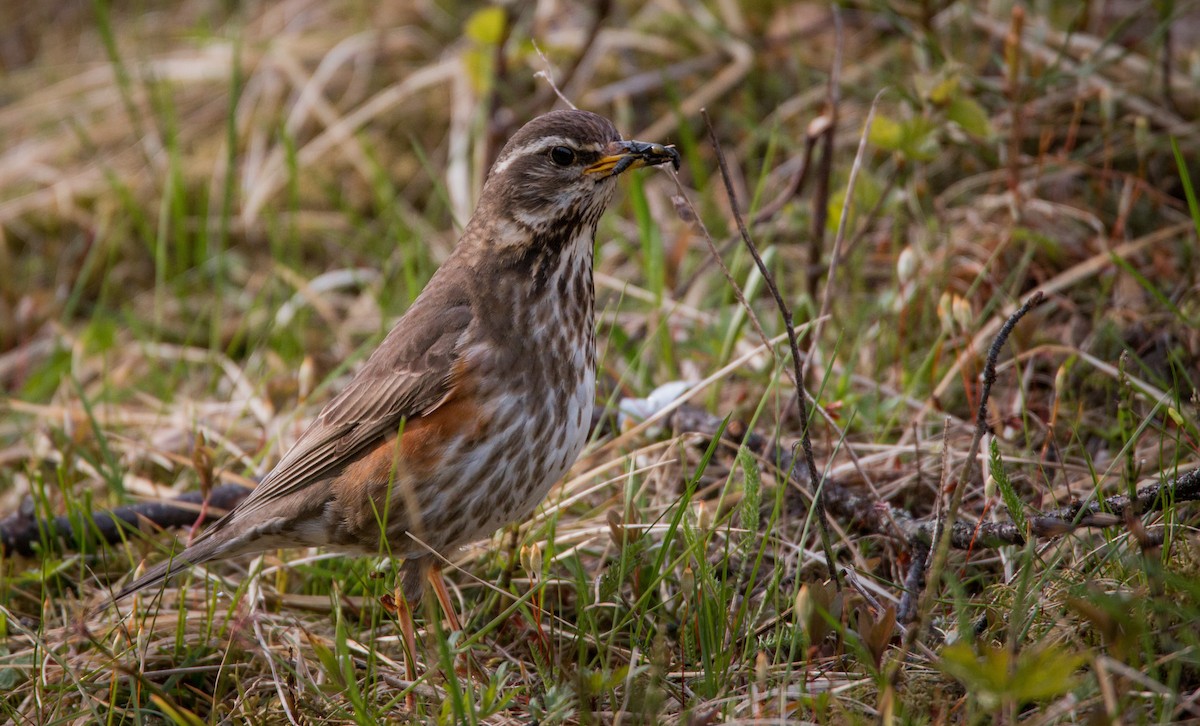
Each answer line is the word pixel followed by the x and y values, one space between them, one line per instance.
pixel 443 596
pixel 447 605
pixel 407 596
pixel 404 615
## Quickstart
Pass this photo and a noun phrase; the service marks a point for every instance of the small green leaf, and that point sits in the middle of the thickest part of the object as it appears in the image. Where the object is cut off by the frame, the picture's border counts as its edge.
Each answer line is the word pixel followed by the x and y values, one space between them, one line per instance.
pixel 177 714
pixel 610 580
pixel 983 674
pixel 919 140
pixel 100 335
pixel 1007 492
pixel 748 512
pixel 945 89
pixel 327 658
pixel 885 132
pixel 867 193
pixel 992 678
pixel 937 86
pixel 970 116
pixel 486 25
pixel 1186 179
pixel 17 668
pixel 1044 674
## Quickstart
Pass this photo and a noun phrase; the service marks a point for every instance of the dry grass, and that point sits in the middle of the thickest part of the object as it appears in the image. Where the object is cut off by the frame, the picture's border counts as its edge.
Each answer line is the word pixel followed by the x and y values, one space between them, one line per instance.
pixel 210 212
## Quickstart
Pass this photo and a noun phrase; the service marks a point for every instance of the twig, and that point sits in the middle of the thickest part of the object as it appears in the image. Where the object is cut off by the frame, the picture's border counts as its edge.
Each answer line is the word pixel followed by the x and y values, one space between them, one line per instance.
pixel 942 546
pixel 716 255
pixel 835 254
pixel 694 217
pixel 914 582
pixel 797 361
pixel 870 515
pixel 795 183
pixel 919 547
pixel 825 170
pixel 793 188
pixel 21 531
pixel 547 75
pixel 946 524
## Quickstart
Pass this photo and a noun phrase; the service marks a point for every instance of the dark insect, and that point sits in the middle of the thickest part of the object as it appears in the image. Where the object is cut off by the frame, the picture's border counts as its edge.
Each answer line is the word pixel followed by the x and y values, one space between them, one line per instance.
pixel 646 152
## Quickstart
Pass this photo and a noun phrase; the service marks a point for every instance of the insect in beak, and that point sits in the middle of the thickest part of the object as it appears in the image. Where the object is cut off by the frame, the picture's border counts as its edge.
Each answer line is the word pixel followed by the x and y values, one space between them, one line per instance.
pixel 625 155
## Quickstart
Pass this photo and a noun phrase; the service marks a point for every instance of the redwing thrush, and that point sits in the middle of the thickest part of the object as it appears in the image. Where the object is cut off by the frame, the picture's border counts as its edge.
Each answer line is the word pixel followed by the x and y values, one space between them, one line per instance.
pixel 479 399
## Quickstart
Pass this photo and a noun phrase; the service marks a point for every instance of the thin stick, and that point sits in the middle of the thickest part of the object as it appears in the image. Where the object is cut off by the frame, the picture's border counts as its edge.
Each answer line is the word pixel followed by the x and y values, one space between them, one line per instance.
pixel 797 361
pixel 945 526
pixel 825 170
pixel 981 427
pixel 793 188
pixel 942 545
pixel 717 256
pixel 835 254
pixel 548 75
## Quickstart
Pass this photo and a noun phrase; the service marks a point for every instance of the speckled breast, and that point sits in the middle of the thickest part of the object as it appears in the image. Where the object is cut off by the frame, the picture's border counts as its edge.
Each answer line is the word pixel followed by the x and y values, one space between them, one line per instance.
pixel 533 386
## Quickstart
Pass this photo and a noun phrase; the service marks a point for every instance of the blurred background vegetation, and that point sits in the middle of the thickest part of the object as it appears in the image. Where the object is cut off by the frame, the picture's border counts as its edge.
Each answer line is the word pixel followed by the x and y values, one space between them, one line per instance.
pixel 210 211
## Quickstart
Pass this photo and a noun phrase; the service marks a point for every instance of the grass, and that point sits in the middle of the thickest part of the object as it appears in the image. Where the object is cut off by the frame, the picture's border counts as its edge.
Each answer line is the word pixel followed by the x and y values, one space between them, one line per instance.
pixel 210 213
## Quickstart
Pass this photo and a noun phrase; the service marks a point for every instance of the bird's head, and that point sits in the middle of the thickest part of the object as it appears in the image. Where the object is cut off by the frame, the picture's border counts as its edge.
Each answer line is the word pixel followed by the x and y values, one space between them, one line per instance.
pixel 559 171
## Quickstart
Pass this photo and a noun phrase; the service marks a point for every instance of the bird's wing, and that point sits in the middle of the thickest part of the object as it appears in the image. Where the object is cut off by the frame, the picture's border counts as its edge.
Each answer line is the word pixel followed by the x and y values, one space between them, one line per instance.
pixel 409 375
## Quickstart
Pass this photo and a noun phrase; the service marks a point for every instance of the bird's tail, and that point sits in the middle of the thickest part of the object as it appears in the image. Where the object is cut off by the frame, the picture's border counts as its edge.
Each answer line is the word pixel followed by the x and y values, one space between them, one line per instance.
pixel 205 550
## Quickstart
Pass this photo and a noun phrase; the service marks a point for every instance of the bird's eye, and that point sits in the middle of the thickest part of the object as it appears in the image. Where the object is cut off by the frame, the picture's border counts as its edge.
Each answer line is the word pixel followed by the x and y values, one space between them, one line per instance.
pixel 562 156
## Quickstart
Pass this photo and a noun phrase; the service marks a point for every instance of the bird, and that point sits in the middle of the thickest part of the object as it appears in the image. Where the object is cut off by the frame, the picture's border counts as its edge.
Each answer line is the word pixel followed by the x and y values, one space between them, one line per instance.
pixel 477 401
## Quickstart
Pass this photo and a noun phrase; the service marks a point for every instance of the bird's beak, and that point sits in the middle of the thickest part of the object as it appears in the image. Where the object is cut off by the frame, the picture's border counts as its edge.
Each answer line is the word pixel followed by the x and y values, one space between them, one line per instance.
pixel 623 155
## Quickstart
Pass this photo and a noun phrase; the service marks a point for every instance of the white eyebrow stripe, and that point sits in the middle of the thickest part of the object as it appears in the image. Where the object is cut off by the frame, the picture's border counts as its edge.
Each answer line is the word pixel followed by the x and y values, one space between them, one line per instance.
pixel 540 146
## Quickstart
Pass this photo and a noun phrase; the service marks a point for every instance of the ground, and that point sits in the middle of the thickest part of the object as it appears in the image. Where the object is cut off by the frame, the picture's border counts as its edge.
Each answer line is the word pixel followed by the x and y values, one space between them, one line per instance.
pixel 210 212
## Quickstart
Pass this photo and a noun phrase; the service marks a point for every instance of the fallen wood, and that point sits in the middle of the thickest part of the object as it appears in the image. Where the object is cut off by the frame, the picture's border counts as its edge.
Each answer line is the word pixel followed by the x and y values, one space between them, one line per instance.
pixel 23 533
pixel 867 514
